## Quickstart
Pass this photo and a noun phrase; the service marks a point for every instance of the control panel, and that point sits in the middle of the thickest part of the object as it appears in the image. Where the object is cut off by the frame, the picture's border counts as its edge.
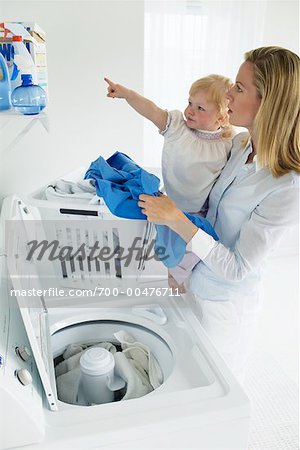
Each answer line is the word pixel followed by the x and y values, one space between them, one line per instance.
pixel 20 386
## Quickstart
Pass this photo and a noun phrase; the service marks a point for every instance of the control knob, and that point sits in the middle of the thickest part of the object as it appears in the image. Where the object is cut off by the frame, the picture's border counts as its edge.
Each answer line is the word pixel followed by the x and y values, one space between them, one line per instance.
pixel 23 352
pixel 24 376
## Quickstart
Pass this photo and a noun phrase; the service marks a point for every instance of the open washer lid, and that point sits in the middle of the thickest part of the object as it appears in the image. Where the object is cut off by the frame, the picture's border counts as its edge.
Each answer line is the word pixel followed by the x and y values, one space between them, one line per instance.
pixel 27 290
pixel 23 225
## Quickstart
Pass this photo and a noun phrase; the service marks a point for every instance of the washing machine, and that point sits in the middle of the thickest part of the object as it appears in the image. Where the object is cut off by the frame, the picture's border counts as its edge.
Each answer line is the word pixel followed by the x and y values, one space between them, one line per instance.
pixel 49 302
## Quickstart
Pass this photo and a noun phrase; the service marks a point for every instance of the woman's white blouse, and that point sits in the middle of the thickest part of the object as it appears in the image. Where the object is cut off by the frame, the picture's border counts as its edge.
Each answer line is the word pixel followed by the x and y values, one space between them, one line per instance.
pixel 192 160
pixel 250 211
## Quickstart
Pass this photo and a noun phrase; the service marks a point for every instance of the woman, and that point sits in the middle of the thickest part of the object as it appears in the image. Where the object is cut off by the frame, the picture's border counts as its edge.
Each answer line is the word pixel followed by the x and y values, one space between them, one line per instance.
pixel 252 204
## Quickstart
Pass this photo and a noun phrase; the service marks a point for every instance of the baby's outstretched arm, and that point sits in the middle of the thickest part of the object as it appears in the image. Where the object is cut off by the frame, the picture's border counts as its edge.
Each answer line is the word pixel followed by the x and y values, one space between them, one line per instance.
pixel 141 104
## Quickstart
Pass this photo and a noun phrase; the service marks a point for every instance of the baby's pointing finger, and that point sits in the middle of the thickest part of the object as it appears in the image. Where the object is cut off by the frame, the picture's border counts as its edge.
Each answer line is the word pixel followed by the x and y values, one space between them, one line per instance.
pixel 109 82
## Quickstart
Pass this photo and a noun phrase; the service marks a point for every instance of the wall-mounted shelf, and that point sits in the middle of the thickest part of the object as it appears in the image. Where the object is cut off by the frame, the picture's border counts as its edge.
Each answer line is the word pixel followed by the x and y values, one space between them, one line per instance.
pixel 14 126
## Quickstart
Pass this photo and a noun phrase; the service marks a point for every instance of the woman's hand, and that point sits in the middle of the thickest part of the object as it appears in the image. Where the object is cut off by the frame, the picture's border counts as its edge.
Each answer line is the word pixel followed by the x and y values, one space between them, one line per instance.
pixel 163 211
pixel 159 210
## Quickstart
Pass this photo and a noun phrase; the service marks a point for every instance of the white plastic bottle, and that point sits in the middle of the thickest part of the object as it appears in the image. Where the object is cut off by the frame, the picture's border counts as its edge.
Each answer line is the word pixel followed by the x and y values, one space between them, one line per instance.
pixel 23 61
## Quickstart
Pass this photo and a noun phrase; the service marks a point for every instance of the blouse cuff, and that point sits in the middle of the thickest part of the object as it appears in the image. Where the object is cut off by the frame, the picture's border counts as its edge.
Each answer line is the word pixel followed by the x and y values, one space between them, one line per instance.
pixel 202 243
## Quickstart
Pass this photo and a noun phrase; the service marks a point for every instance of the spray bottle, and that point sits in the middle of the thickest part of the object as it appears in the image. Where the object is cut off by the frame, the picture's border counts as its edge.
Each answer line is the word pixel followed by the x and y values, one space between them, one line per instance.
pixel 23 63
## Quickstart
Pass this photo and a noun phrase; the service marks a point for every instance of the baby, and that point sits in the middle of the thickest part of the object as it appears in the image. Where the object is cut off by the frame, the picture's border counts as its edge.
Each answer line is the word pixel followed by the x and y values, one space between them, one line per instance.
pixel 196 143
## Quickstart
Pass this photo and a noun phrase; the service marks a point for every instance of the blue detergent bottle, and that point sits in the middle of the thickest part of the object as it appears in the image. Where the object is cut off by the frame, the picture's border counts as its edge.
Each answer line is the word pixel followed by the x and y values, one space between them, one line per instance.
pixel 28 98
pixel 5 87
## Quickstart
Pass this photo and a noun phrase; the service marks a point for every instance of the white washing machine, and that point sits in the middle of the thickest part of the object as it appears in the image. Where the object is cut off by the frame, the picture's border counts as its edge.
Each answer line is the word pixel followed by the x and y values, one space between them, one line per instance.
pixel 57 302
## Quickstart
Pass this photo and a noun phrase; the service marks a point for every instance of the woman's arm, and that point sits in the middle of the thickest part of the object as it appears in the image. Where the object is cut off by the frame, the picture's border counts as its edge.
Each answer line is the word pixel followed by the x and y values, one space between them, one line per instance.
pixel 142 105
pixel 163 211
pixel 258 235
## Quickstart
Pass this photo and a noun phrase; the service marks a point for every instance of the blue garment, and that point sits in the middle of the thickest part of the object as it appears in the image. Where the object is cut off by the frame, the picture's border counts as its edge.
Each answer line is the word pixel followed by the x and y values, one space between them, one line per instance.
pixel 120 181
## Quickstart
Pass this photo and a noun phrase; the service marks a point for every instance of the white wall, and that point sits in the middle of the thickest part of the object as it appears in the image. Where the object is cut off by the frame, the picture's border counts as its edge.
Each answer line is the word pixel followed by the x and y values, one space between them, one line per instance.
pixel 195 48
pixel 86 40
pixel 282 24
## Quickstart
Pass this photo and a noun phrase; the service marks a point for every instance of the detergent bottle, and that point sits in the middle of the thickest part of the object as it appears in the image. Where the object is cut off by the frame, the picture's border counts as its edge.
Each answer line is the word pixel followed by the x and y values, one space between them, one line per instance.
pixel 29 98
pixel 23 63
pixel 5 87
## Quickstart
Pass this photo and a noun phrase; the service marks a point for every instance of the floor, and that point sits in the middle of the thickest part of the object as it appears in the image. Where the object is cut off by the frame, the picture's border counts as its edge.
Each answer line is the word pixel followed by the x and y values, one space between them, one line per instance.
pixel 272 379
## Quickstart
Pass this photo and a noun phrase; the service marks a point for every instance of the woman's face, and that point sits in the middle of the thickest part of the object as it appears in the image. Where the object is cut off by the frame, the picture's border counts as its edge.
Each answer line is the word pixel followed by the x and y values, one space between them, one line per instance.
pixel 244 100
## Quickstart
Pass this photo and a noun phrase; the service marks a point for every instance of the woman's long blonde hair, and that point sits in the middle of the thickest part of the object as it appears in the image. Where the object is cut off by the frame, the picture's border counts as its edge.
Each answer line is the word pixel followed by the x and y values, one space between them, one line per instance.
pixel 216 87
pixel 277 123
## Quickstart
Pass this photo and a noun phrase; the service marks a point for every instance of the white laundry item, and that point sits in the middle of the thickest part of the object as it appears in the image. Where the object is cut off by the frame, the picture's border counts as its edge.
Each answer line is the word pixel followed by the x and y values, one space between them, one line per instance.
pixel 72 349
pixel 137 386
pixel 141 357
pixel 135 364
pixel 83 191
pixel 68 371
pixel 68 364
pixel 139 368
pixel 67 385
pixel 73 353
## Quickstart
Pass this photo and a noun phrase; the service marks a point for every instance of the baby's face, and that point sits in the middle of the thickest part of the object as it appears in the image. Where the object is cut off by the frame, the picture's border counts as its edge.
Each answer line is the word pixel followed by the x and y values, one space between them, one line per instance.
pixel 202 114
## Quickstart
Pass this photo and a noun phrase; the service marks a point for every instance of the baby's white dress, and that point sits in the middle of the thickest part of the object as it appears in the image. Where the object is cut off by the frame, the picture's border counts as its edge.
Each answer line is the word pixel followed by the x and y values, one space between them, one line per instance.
pixel 192 160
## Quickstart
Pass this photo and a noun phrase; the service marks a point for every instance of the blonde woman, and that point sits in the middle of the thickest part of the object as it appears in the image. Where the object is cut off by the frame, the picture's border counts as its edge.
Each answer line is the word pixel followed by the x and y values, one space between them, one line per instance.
pixel 254 201
pixel 196 143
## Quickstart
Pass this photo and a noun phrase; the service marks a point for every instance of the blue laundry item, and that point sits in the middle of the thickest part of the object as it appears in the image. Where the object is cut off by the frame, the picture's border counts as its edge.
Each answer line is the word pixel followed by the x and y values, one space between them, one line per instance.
pixel 120 181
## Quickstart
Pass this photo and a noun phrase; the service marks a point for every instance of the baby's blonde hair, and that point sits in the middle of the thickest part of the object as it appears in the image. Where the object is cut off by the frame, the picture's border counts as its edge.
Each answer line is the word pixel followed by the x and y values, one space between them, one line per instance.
pixel 216 87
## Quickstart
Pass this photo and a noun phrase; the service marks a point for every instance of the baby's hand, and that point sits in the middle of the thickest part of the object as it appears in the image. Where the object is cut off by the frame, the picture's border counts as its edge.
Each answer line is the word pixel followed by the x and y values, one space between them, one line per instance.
pixel 175 287
pixel 116 90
